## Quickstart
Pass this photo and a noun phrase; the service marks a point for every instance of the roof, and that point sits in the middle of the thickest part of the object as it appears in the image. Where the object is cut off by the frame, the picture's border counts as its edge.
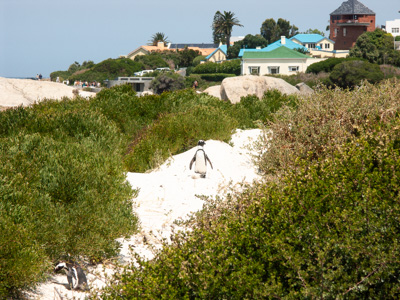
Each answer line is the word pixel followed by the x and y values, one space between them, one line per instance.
pixel 353 7
pixel 199 45
pixel 309 38
pixel 288 44
pixel 222 48
pixel 281 52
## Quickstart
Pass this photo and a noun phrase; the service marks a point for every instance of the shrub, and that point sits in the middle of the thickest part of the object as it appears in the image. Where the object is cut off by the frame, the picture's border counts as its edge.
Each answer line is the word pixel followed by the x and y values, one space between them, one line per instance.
pixel 216 76
pixel 327 65
pixel 167 82
pixel 227 67
pixel 177 132
pixel 351 73
pixel 328 228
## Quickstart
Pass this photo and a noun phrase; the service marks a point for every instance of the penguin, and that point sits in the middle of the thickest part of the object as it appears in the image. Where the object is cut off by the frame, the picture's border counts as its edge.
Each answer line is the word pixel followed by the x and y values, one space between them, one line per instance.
pixel 201 158
pixel 75 275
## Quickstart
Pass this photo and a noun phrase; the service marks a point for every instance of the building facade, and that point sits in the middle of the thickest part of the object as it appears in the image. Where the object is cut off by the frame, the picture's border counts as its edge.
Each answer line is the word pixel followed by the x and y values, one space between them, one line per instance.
pixel 393 27
pixel 348 22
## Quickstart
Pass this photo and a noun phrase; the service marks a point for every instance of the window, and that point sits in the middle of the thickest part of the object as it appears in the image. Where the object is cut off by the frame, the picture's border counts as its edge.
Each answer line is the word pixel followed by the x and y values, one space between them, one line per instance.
pixel 293 68
pixel 336 32
pixel 344 31
pixel 311 46
pixel 273 70
pixel 395 30
pixel 327 46
pixel 254 70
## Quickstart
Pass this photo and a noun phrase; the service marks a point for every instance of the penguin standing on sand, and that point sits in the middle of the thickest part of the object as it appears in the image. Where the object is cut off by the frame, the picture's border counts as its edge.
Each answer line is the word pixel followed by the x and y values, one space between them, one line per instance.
pixel 75 275
pixel 200 158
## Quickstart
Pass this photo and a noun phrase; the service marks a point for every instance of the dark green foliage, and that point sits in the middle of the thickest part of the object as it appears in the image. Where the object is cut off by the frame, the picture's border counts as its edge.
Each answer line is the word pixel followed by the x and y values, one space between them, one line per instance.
pixel 376 47
pixel 249 42
pixel 327 227
pixel 351 73
pixel 167 82
pixel 227 67
pixel 272 30
pixel 327 65
pixel 108 69
pixel 151 61
pixel 216 76
pixel 178 132
pixel 62 188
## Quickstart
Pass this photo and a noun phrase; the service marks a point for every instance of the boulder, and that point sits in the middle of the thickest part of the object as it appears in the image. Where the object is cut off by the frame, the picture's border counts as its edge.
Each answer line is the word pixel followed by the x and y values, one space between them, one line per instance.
pixel 233 88
pixel 214 91
pixel 304 89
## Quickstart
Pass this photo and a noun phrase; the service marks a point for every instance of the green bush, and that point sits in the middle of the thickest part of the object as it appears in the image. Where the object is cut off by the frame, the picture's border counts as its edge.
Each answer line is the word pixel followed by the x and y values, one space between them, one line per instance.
pixel 63 189
pixel 216 76
pixel 327 65
pixel 167 82
pixel 351 73
pixel 226 67
pixel 326 228
pixel 176 133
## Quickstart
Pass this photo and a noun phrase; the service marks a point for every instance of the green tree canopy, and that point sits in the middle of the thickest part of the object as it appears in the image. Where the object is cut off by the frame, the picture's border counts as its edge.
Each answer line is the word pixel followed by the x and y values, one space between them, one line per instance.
pixel 314 31
pixel 376 47
pixel 272 31
pixel 223 24
pixel 249 42
pixel 158 37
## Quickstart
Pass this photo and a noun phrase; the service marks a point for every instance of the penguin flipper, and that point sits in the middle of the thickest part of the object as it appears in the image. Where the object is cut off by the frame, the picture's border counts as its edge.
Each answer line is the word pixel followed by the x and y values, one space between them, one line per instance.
pixel 209 162
pixel 191 162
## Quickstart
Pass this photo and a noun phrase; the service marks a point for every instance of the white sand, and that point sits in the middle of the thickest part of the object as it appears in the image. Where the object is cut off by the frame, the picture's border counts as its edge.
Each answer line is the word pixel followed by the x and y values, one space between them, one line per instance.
pixel 15 92
pixel 170 193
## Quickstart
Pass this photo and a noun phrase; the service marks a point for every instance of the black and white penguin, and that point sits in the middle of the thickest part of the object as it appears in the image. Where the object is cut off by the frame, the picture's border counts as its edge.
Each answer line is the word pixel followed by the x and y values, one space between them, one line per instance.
pixel 75 275
pixel 200 158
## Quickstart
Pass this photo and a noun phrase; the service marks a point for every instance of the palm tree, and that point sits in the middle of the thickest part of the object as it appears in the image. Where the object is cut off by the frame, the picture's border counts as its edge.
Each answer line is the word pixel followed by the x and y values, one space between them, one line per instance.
pixel 158 37
pixel 223 24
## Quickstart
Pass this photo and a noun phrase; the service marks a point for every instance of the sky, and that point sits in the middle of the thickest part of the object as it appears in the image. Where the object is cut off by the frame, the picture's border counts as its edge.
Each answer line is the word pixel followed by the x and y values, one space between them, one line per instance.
pixel 43 36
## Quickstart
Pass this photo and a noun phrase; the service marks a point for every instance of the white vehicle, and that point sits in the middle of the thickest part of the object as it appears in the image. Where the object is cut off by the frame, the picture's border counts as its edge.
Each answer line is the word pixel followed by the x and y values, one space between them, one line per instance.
pixel 163 69
pixel 141 73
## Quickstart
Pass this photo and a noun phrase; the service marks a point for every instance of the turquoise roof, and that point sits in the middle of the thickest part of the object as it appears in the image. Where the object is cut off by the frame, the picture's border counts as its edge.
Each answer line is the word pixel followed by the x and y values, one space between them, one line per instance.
pixel 223 48
pixel 309 38
pixel 288 44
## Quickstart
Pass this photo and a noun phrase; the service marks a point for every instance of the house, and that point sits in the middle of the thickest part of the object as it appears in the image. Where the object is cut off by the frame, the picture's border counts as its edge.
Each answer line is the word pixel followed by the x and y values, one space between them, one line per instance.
pixel 393 27
pixel 281 60
pixel 283 41
pixel 348 22
pixel 318 45
pixel 218 55
pixel 204 49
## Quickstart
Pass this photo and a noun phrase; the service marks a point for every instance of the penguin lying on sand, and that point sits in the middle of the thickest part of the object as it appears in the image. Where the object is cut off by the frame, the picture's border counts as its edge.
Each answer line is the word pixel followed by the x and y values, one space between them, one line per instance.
pixel 75 275
pixel 201 158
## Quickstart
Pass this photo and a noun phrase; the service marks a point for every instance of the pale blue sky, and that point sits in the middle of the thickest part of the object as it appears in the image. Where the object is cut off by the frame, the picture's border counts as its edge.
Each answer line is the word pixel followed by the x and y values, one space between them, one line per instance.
pixel 42 36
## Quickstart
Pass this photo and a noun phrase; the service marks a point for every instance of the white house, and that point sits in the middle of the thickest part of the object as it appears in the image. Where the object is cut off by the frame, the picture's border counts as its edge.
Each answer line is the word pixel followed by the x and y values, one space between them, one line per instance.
pixel 281 60
pixel 318 45
pixel 393 27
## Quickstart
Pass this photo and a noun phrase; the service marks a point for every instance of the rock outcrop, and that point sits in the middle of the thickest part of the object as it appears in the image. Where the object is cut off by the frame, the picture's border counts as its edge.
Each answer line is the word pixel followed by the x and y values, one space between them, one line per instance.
pixel 214 91
pixel 304 89
pixel 233 88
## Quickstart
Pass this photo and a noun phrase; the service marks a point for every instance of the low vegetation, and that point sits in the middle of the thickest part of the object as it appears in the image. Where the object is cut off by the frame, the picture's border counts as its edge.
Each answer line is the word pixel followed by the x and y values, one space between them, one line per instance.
pixel 324 224
pixel 62 180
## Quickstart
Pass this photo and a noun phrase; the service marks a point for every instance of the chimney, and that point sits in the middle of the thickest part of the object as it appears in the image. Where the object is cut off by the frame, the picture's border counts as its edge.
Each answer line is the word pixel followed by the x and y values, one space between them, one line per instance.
pixel 160 45
pixel 283 40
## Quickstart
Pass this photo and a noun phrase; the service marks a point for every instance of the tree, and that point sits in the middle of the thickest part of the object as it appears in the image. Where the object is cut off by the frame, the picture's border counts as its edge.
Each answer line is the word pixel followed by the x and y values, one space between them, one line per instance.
pixel 223 24
pixel 376 47
pixel 272 31
pixel 158 37
pixel 314 31
pixel 167 82
pixel 249 42
pixel 349 74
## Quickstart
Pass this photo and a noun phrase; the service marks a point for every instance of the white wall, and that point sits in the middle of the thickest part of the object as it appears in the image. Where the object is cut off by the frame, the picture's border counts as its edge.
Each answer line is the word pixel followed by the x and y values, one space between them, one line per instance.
pixel 283 64
pixel 393 27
